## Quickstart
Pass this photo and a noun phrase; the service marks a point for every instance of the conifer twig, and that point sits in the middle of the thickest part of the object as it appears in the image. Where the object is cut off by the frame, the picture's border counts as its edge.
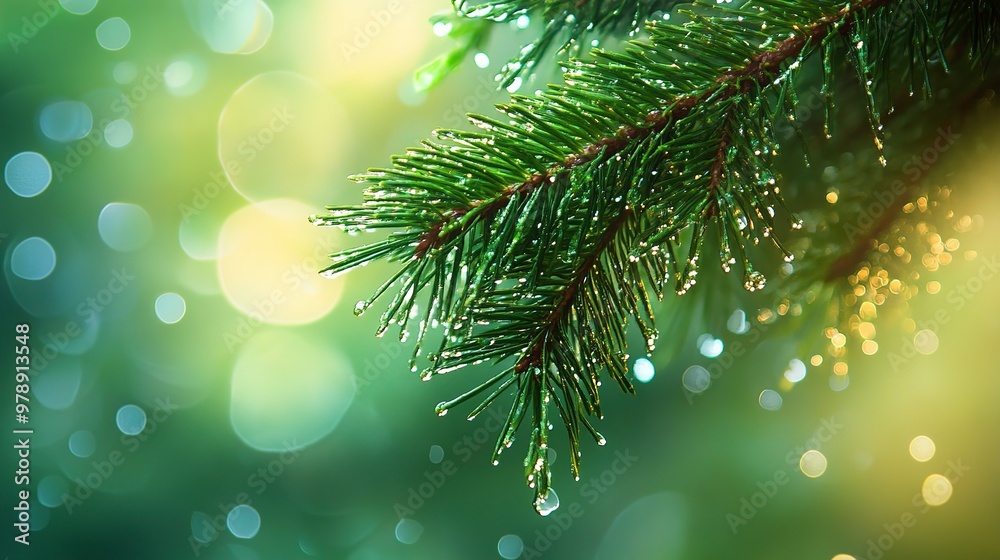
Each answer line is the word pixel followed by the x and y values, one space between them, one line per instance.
pixel 538 240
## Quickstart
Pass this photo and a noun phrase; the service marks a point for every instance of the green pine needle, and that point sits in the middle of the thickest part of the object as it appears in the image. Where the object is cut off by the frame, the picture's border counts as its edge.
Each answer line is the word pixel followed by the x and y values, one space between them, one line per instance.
pixel 569 24
pixel 537 239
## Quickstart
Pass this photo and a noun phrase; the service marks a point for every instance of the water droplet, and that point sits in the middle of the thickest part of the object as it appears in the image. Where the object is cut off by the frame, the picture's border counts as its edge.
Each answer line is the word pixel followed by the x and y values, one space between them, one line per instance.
pixel 408 531
pixel 436 454
pixel 33 259
pixel 170 308
pixel 711 347
pixel 82 444
pixel 696 379
pixel 130 419
pixel 124 227
pixel 548 503
pixel 243 521
pixel 118 133
pixel 737 322
pixel 442 28
pixel 510 547
pixel 644 370
pixel 796 371
pixel 113 34
pixel 28 174
pixel 78 7
pixel 66 121
pixel 769 400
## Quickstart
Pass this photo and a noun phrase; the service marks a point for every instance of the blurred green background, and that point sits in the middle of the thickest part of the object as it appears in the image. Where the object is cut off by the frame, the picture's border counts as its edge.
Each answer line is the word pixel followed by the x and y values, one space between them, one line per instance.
pixel 199 391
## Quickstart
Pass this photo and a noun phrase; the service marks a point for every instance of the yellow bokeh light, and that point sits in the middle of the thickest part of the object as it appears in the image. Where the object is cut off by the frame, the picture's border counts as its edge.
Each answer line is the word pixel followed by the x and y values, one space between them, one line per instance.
pixel 832 197
pixel 869 347
pixel 867 311
pixel 345 41
pixel 937 490
pixel 866 330
pixel 813 463
pixel 281 132
pixel 816 360
pixel 843 557
pixel 268 263
pixel 926 341
pixel 840 368
pixel 922 448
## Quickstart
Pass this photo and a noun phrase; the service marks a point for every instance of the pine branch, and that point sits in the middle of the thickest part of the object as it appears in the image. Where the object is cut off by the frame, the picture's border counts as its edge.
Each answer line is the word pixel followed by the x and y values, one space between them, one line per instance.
pixel 569 24
pixel 538 240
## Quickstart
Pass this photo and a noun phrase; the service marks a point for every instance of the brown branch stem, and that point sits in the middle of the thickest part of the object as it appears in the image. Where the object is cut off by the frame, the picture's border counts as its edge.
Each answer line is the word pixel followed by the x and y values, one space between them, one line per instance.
pixel 760 69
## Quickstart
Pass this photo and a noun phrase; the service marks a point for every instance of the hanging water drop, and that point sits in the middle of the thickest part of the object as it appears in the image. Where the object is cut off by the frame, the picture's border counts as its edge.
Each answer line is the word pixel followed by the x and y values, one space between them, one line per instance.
pixel 548 503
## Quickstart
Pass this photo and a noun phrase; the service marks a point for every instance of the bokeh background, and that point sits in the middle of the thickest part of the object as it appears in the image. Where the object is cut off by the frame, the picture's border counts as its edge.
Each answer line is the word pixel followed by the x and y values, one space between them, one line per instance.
pixel 199 391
